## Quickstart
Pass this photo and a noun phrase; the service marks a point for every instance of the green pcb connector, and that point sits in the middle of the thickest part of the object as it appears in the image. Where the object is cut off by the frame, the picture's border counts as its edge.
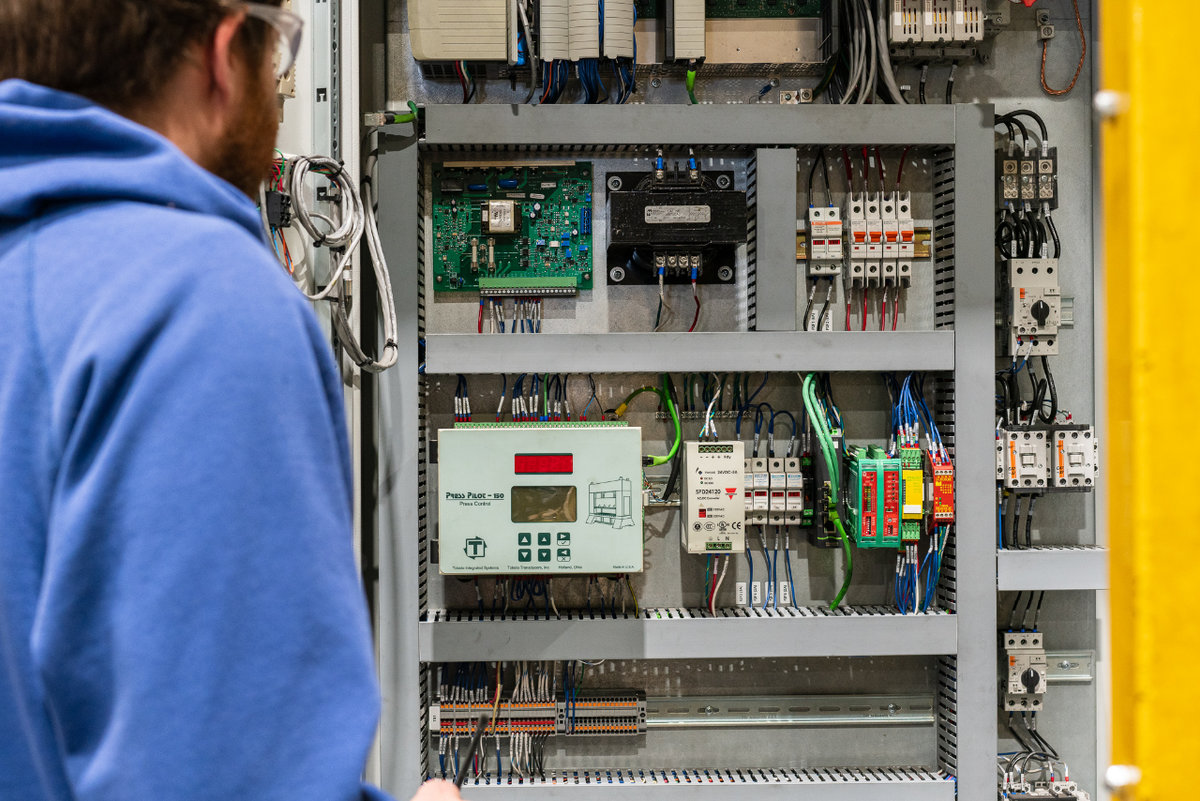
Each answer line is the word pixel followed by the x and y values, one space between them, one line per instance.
pixel 544 287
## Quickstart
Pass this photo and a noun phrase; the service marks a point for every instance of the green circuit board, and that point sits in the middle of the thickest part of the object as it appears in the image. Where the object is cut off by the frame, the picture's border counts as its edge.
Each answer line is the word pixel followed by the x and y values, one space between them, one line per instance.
pixel 734 9
pixel 512 231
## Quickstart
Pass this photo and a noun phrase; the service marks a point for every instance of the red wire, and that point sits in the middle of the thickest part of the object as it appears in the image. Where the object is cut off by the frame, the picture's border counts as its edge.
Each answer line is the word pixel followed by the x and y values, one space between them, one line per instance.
pixel 865 168
pixel 883 311
pixel 882 171
pixel 462 79
pixel 900 169
pixel 695 319
pixel 864 320
pixel 895 309
pixel 847 310
pixel 481 316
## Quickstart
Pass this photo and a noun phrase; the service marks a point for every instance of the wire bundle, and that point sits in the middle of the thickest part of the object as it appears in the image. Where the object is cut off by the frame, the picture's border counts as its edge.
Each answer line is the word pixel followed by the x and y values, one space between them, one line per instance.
pixel 819 414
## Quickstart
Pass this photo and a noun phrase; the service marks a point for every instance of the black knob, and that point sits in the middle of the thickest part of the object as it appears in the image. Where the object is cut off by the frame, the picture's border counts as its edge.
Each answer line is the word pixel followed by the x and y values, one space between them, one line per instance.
pixel 1040 311
pixel 1030 679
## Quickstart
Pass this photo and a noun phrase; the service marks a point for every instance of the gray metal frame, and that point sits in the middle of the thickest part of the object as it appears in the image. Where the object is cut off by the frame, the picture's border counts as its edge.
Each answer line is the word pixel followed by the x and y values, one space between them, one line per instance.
pixel 406 642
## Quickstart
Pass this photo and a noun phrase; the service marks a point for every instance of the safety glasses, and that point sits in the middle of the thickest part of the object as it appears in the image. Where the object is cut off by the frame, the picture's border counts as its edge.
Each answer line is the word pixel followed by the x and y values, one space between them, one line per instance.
pixel 288 28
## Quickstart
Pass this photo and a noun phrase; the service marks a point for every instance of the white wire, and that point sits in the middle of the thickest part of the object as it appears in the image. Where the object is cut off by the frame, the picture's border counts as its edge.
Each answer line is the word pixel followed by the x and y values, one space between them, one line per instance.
pixel 662 296
pixel 343 236
pixel 868 87
pixel 855 60
pixel 885 57
pixel 709 425
pixel 712 602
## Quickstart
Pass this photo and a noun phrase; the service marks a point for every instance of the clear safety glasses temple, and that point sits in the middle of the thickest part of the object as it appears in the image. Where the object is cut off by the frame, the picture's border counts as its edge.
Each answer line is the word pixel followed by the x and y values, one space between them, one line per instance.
pixel 288 26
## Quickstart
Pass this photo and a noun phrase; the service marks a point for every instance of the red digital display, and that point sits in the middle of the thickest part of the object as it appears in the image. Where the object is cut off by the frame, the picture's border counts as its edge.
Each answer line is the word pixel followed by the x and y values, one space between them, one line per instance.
pixel 544 463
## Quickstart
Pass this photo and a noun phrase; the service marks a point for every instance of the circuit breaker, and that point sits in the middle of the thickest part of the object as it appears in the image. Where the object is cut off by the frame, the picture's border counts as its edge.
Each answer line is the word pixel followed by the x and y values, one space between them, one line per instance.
pixel 540 498
pixel 1025 677
pixel 824 242
pixel 1035 307
pixel 758 491
pixel 714 513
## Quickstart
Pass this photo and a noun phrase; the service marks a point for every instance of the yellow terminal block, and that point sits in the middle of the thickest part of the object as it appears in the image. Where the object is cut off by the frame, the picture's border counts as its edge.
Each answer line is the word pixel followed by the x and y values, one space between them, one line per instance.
pixel 914 495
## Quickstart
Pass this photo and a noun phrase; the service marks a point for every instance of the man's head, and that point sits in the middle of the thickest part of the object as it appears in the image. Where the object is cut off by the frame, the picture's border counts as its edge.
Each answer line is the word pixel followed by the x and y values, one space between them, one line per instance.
pixel 201 72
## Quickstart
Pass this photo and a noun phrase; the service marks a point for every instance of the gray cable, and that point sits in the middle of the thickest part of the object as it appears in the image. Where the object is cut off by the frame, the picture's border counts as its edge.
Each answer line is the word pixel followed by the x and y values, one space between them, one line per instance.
pixel 885 57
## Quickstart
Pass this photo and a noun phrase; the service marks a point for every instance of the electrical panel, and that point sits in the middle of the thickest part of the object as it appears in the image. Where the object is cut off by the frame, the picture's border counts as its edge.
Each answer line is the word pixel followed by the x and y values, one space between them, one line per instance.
pixel 539 498
pixel 697 222
pixel 714 512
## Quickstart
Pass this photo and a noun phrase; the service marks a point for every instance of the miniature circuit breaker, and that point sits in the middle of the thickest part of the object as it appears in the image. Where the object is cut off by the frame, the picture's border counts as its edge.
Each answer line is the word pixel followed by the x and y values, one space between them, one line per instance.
pixel 758 491
pixel 825 244
pixel 1025 675
pixel 540 498
pixel 713 493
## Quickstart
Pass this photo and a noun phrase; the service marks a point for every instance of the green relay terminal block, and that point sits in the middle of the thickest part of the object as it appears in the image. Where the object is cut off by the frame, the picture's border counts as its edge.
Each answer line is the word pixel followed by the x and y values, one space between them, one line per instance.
pixel 874 509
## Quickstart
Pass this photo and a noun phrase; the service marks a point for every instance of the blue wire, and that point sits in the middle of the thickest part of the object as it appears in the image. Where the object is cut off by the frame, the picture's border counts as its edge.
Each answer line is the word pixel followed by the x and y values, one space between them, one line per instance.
pixel 750 585
pixel 1000 525
pixel 774 577
pixel 787 560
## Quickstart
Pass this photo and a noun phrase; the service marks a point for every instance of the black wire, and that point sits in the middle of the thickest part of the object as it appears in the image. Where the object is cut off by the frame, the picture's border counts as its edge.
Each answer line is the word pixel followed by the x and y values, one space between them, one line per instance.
pixel 673 479
pixel 1021 740
pixel 1025 614
pixel 1037 612
pixel 921 88
pixel 1024 112
pixel 1016 527
pixel 1008 118
pixel 1029 523
pixel 1052 392
pixel 1033 383
pixel 1054 236
pixel 1037 736
pixel 825 173
pixel 950 86
pixel 1012 617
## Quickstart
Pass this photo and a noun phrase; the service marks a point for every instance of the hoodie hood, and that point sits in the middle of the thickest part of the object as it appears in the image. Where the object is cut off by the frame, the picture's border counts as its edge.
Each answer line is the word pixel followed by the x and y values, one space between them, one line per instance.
pixel 60 149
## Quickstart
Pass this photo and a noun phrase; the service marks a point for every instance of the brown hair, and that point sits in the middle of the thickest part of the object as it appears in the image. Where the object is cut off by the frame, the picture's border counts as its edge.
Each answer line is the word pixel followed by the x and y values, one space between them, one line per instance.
pixel 118 53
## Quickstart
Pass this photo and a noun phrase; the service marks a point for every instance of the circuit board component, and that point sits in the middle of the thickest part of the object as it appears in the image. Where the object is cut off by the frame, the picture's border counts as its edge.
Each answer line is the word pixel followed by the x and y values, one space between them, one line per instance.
pixel 517 230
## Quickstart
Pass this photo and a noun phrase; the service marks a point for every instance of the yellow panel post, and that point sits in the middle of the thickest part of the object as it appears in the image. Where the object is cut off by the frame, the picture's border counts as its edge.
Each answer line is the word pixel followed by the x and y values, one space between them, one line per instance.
pixel 1153 293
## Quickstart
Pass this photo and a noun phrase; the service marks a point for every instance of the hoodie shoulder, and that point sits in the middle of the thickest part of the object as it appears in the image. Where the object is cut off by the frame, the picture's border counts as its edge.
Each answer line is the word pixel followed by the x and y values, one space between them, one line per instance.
pixel 103 275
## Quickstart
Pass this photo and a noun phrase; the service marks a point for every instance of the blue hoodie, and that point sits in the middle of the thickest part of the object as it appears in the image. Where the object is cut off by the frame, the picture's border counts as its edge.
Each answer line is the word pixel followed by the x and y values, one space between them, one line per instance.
pixel 180 614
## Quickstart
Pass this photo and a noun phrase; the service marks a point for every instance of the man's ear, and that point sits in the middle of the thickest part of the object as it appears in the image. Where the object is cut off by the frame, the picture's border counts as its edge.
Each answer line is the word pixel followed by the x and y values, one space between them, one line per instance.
pixel 224 60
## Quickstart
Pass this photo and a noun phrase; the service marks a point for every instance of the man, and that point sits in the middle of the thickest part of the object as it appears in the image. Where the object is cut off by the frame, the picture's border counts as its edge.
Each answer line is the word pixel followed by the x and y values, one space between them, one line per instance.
pixel 180 615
